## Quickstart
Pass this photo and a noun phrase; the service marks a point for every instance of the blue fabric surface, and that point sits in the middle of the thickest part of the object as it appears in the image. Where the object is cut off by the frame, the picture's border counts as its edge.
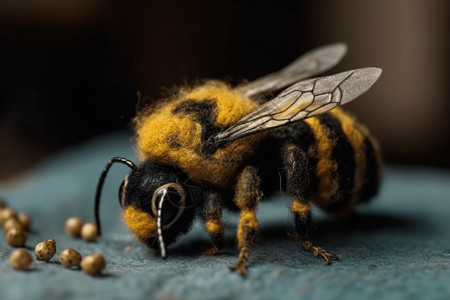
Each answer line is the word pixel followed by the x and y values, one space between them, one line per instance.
pixel 397 247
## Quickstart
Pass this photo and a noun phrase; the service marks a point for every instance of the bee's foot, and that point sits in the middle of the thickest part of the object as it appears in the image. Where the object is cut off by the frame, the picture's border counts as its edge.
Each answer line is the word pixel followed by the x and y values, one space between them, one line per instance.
pixel 319 252
pixel 211 251
pixel 240 268
pixel 328 257
pixel 241 265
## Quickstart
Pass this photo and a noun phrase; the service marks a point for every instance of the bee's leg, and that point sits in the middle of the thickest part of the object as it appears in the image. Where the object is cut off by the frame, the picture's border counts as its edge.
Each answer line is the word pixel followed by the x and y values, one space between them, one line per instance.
pixel 247 196
pixel 296 164
pixel 212 213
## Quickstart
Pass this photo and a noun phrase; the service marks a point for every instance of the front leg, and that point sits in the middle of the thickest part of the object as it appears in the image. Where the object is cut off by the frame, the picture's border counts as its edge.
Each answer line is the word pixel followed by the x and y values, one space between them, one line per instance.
pixel 247 196
pixel 212 213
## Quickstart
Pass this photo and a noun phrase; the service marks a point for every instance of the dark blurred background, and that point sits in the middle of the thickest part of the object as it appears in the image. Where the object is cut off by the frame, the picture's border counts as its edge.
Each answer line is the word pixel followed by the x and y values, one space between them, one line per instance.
pixel 69 70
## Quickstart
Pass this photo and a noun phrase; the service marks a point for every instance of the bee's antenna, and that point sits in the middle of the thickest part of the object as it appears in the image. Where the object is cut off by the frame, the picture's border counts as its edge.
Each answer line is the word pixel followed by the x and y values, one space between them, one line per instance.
pixel 101 181
pixel 159 224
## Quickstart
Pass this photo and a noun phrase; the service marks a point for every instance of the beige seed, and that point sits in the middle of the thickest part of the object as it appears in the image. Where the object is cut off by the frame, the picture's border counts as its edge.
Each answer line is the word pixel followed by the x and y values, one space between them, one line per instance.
pixel 11 223
pixel 73 226
pixel 70 258
pixel 16 237
pixel 45 250
pixel 24 220
pixel 93 264
pixel 20 259
pixel 89 232
pixel 5 214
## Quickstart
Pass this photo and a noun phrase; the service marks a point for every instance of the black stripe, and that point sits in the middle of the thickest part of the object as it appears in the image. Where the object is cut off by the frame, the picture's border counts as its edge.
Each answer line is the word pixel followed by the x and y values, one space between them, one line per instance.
pixel 370 186
pixel 344 156
pixel 203 112
pixel 270 161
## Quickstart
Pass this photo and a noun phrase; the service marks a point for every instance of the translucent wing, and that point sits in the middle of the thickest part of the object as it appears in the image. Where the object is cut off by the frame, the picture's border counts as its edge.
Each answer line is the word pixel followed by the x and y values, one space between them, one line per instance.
pixel 302 100
pixel 307 65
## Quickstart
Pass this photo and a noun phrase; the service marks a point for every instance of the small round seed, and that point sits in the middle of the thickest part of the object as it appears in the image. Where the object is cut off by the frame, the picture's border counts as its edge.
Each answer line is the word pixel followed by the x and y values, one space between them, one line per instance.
pixel 16 237
pixel 5 214
pixel 11 223
pixel 25 220
pixel 45 250
pixel 73 226
pixel 93 264
pixel 89 232
pixel 70 258
pixel 20 259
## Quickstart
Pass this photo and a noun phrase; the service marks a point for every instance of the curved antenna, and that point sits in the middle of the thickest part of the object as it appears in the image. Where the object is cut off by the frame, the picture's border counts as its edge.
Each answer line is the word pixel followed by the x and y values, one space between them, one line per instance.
pixel 101 181
pixel 182 203
pixel 159 224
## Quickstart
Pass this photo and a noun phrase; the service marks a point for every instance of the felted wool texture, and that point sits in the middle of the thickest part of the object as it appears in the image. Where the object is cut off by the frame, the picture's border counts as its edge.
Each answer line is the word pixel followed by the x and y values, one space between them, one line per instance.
pixel 140 223
pixel 300 208
pixel 326 167
pixel 214 226
pixel 343 154
pixel 247 197
pixel 368 156
pixel 174 133
pixel 296 162
pixel 248 224
pixel 212 215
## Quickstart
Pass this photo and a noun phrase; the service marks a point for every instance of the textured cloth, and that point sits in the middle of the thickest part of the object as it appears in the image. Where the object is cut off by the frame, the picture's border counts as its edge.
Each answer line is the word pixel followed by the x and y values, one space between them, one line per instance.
pixel 397 247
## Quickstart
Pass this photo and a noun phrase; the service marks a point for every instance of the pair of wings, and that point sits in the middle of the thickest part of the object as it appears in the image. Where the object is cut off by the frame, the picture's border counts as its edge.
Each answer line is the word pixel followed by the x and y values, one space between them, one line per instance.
pixel 303 98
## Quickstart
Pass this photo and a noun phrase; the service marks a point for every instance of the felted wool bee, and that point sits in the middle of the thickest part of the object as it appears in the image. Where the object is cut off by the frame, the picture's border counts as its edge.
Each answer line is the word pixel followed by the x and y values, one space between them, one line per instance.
pixel 215 146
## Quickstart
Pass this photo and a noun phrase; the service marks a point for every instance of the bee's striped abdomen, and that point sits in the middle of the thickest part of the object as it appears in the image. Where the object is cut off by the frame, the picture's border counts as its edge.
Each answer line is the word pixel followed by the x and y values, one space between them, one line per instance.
pixel 367 157
pixel 348 162
pixel 343 156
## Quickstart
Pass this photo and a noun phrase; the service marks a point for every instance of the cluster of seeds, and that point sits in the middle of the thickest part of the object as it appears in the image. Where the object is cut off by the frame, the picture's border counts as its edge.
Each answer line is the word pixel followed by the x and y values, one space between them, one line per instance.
pixel 75 227
pixel 92 264
pixel 16 226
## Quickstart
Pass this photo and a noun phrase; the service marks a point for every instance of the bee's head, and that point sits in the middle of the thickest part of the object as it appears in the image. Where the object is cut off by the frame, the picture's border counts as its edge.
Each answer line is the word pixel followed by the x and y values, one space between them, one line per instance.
pixel 156 206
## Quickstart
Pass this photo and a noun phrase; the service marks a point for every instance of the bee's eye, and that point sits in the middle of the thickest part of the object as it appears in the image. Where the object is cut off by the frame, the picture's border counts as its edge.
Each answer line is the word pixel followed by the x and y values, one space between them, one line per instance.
pixel 122 192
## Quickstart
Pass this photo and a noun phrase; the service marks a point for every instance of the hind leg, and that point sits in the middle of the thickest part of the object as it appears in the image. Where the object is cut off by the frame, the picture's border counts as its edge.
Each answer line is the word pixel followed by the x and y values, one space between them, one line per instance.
pixel 296 164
